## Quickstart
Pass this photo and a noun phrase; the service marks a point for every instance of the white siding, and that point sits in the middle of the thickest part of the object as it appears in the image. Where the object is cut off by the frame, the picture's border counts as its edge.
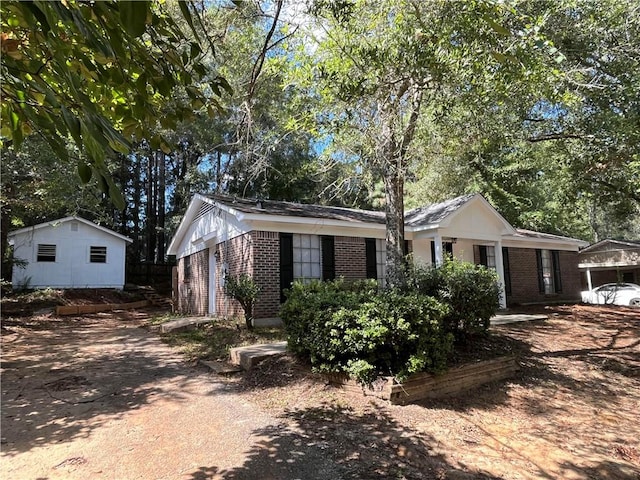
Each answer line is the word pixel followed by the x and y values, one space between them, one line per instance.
pixel 72 267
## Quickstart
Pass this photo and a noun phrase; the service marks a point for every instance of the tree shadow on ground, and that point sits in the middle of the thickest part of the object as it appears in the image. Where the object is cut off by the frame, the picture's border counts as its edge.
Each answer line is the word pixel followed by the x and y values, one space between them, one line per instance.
pixel 336 442
pixel 73 377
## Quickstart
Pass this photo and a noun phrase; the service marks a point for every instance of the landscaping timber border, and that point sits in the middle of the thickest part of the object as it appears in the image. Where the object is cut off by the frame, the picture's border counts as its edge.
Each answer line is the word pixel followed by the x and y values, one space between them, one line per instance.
pixel 99 307
pixel 421 386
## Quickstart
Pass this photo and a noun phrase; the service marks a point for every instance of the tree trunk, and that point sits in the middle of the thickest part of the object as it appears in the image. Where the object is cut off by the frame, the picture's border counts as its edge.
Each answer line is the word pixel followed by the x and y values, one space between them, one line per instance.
pixel 161 207
pixel 394 210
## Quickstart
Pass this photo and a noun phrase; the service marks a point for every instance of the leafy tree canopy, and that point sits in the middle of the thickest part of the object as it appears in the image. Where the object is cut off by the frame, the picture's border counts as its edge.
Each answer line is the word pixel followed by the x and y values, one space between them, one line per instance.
pixel 98 72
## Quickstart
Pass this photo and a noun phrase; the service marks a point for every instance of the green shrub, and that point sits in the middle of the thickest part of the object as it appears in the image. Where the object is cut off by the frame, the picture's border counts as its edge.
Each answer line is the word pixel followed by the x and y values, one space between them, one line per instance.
pixel 245 290
pixel 471 292
pixel 309 305
pixel 353 329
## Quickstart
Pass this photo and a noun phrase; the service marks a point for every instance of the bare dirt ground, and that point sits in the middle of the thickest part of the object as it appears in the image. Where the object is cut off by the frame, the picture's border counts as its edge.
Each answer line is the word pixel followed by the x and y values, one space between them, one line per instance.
pixel 100 397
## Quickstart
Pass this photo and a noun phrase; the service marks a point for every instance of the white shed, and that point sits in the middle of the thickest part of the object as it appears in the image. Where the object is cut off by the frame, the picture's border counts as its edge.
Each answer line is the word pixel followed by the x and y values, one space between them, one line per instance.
pixel 68 253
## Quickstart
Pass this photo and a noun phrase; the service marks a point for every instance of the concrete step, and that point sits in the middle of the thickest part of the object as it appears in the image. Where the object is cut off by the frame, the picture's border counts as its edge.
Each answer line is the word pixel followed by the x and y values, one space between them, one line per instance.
pixel 183 324
pixel 249 356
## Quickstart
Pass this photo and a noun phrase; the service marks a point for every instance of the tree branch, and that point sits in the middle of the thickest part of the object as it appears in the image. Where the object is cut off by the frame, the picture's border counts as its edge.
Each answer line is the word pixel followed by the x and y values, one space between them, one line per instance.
pixel 556 136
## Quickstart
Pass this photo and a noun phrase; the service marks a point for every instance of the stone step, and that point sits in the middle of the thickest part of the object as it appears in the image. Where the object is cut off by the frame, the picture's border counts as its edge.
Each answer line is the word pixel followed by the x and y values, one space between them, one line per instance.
pixel 249 356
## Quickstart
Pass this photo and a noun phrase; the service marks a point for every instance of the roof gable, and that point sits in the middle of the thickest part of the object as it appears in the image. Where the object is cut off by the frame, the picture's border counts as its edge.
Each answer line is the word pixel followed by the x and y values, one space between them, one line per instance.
pixel 609 244
pixel 435 213
pixel 55 223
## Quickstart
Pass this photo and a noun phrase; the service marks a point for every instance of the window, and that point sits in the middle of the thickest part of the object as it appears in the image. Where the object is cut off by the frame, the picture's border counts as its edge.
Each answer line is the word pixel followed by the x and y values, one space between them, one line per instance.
pixel 306 257
pixel 98 254
pixel 549 279
pixel 487 255
pixel 186 268
pixel 46 252
pixel 74 226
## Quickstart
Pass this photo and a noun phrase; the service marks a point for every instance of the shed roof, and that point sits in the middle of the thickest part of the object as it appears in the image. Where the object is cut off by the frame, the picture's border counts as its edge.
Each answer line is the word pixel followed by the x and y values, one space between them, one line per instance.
pixel 55 223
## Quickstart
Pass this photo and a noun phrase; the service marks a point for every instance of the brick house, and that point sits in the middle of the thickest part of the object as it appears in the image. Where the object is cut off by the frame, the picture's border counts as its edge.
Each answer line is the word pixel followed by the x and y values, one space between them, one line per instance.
pixel 610 261
pixel 279 242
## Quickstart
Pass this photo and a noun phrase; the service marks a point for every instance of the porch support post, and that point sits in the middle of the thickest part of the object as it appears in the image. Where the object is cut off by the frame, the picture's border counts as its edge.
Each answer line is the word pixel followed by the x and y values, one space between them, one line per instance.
pixel 211 281
pixel 437 242
pixel 589 279
pixel 500 270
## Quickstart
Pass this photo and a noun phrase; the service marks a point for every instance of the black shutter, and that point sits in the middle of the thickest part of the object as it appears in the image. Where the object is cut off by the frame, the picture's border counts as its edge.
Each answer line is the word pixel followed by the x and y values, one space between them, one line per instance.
pixel 372 263
pixel 507 270
pixel 557 278
pixel 540 271
pixel 286 263
pixel 483 254
pixel 406 248
pixel 433 252
pixel 328 258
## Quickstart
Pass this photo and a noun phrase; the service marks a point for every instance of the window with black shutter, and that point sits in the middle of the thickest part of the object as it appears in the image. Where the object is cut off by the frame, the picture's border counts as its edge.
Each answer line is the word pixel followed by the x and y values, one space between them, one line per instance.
pixel 549 277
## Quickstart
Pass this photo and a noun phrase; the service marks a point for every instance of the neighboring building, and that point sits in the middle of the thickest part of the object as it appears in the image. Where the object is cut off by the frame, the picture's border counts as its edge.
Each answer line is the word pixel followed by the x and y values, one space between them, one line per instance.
pixel 278 242
pixel 69 253
pixel 610 261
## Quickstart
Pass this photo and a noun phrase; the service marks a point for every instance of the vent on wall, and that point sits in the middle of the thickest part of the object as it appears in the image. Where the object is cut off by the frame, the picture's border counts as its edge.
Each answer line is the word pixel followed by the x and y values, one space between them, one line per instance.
pixel 74 226
pixel 205 209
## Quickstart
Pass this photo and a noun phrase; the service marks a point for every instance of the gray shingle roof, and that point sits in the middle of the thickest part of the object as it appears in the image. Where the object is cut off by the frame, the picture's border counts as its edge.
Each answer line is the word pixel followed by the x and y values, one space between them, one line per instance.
pixel 272 207
pixel 435 213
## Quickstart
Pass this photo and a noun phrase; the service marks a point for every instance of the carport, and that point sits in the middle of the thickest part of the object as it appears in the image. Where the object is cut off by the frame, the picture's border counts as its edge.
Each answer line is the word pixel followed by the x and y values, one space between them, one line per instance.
pixel 610 261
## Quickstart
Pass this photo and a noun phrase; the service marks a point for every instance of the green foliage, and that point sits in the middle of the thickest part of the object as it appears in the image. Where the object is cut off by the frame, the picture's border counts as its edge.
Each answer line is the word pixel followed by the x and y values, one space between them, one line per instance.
pixel 245 290
pixel 470 291
pixel 96 72
pixel 353 329
pixel 309 306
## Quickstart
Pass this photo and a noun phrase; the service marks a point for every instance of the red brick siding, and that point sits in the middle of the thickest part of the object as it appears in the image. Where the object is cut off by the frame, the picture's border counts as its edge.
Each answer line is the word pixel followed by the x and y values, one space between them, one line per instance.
pixel 524 277
pixel 237 255
pixel 350 258
pixel 193 293
pixel 266 254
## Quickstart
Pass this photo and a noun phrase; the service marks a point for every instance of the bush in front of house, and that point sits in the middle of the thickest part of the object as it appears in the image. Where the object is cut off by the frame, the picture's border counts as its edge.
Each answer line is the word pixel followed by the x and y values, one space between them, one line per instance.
pixel 310 305
pixel 471 291
pixel 354 329
pixel 245 290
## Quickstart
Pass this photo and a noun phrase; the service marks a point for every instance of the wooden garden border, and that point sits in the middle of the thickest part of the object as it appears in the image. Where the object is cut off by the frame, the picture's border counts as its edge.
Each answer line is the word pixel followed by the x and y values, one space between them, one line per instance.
pixel 99 307
pixel 425 385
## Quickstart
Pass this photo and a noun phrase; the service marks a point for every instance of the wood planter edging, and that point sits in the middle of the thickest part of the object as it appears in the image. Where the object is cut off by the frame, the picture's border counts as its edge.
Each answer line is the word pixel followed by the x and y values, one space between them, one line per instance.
pixel 99 307
pixel 425 385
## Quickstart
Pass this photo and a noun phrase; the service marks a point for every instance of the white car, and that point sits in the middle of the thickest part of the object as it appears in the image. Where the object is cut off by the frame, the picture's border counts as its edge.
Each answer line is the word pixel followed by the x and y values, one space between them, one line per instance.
pixel 614 294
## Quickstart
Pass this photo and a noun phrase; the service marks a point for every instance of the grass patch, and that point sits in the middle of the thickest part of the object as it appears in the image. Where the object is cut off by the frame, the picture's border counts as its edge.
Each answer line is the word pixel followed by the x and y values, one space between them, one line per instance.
pixel 212 341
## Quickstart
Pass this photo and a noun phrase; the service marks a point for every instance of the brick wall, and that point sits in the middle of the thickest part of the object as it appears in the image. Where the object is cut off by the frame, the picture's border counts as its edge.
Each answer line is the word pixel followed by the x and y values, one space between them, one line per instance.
pixel 266 254
pixel 193 292
pixel 237 256
pixel 350 258
pixel 524 277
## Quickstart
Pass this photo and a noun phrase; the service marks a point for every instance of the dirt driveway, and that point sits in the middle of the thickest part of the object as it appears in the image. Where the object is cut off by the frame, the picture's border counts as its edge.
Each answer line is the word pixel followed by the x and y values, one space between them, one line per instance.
pixel 101 397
